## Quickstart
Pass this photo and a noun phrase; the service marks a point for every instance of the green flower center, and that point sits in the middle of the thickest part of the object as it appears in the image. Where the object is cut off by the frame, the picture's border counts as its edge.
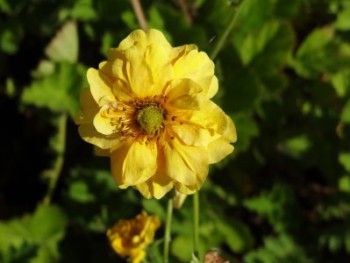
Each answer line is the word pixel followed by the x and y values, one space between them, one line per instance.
pixel 150 119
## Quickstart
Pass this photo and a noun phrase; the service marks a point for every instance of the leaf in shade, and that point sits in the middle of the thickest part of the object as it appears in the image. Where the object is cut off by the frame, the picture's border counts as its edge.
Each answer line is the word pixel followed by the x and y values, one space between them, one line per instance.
pixel 64 46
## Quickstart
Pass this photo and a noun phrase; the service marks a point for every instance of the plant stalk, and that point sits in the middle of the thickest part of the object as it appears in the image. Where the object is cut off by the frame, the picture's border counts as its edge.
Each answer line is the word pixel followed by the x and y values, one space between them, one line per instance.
pixel 196 225
pixel 168 230
pixel 220 43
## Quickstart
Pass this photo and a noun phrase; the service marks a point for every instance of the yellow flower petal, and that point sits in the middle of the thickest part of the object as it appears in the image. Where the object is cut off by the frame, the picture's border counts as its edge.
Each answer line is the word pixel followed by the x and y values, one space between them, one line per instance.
pixel 103 123
pixel 100 87
pixel 139 73
pixel 198 67
pixel 159 184
pixel 201 127
pixel 90 135
pixel 152 36
pixel 89 108
pixel 188 189
pixel 183 94
pixel 134 37
pixel 156 36
pixel 158 60
pixel 185 164
pixel 218 150
pixel 192 134
pixel 130 237
pixel 146 165
pixel 210 117
pixel 117 161
pixel 118 80
pixel 127 171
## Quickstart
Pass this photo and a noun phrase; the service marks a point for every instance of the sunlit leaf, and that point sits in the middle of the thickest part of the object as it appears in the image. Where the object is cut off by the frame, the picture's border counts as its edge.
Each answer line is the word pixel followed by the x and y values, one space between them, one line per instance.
pixel 59 91
pixel 344 159
pixel 322 52
pixel 64 46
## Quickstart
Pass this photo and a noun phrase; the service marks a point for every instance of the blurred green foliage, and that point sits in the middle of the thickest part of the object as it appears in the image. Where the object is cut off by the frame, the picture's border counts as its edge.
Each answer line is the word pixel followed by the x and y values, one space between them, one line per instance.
pixel 284 71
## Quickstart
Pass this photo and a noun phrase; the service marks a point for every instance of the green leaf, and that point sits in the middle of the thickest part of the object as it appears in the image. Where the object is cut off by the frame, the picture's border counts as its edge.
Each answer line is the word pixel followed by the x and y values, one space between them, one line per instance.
pixel 268 49
pixel 153 206
pixel 84 10
pixel 79 192
pixel 10 37
pixel 129 19
pixel 322 52
pixel 155 18
pixel 343 19
pixel 344 159
pixel 247 129
pixel 296 146
pixel 345 115
pixel 341 82
pixel 59 91
pixel 44 68
pixel 256 13
pixel 278 205
pixel 4 6
pixel 44 229
pixel 48 222
pixel 181 247
pixel 344 183
pixel 65 44
pixel 22 254
pixel 236 234
pixel 281 249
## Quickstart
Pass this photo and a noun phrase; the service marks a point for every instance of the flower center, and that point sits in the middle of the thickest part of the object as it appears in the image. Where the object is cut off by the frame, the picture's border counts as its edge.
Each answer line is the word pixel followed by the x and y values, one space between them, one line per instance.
pixel 150 119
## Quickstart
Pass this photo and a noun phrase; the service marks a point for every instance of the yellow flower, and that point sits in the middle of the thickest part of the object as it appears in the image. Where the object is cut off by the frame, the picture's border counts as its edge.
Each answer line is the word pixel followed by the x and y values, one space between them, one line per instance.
pixel 131 237
pixel 149 108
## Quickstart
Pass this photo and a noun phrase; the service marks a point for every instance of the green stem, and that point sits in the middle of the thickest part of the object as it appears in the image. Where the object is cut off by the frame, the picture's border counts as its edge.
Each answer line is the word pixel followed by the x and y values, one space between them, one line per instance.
pixel 196 225
pixel 168 230
pixel 58 164
pixel 220 43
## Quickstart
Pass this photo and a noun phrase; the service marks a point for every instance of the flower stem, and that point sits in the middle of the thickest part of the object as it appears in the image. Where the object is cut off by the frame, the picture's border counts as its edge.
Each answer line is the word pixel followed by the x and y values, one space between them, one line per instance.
pixel 55 171
pixel 168 230
pixel 196 225
pixel 220 43
pixel 136 5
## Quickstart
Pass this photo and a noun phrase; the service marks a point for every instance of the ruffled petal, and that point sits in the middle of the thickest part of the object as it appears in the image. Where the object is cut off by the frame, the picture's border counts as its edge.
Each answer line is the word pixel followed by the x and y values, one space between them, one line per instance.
pixel 158 60
pixel 222 147
pixel 139 74
pixel 210 116
pixel 200 127
pixel 192 134
pixel 90 135
pixel 156 36
pixel 117 162
pixel 134 37
pixel 159 184
pixel 100 86
pixel 183 94
pixel 118 79
pixel 187 165
pixel 152 36
pixel 143 61
pixel 187 189
pixel 156 187
pixel 198 67
pixel 140 163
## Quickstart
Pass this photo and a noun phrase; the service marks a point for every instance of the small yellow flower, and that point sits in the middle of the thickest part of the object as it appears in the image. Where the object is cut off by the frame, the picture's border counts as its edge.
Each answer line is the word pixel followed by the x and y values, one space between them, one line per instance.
pixel 131 237
pixel 149 108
